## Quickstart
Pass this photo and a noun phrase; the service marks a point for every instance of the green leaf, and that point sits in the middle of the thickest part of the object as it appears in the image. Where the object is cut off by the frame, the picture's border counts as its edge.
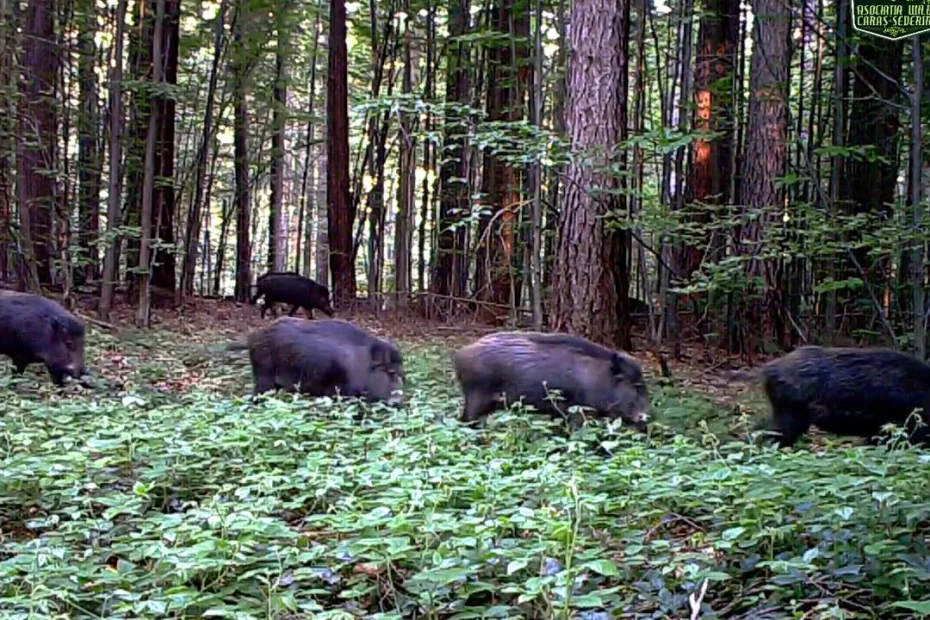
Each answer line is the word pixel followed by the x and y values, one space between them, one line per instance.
pixel 587 601
pixel 602 567
pixel 733 533
pixel 920 607
pixel 515 566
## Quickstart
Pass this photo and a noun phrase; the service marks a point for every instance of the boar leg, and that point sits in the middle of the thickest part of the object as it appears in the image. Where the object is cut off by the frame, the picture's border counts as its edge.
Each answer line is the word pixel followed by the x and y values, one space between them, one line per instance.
pixel 20 364
pixel 263 383
pixel 478 404
pixel 57 372
pixel 791 421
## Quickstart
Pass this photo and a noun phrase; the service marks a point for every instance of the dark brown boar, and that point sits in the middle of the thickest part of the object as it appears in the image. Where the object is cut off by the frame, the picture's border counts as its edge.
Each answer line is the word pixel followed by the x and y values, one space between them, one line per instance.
pixel 845 391
pixel 323 358
pixel 36 330
pixel 289 287
pixel 504 367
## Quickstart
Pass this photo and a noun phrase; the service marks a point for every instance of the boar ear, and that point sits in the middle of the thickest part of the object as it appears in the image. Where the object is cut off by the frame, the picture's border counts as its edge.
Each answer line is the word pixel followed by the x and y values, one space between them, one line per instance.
pixel 623 366
pixel 61 330
pixel 618 365
pixel 379 357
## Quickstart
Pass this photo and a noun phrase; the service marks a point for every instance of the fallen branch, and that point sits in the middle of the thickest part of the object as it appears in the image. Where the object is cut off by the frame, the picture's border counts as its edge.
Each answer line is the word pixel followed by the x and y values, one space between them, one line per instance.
pixel 695 601
pixel 98 322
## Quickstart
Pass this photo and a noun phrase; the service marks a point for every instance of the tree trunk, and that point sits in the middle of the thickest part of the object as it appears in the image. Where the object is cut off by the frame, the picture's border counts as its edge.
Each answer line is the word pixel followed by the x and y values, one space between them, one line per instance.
pixel 61 218
pixel 322 222
pixel 163 272
pixel 715 67
pixel 406 185
pixel 765 159
pixel 195 216
pixel 870 185
pixel 7 133
pixel 143 318
pixel 207 258
pixel 536 182
pixel 453 205
pixel 241 155
pixel 916 182
pixel 638 164
pixel 622 239
pixel 584 286
pixel 377 153
pixel 276 238
pixel 559 94
pixel 89 160
pixel 427 168
pixel 115 176
pixel 146 104
pixel 38 127
pixel 838 164
pixel 676 105
pixel 307 185
pixel 341 212
pixel 221 247
pixel 495 275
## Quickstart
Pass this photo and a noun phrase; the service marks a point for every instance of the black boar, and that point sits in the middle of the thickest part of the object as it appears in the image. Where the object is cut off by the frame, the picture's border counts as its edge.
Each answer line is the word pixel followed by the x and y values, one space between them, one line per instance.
pixel 34 329
pixel 323 358
pixel 291 288
pixel 530 365
pixel 845 391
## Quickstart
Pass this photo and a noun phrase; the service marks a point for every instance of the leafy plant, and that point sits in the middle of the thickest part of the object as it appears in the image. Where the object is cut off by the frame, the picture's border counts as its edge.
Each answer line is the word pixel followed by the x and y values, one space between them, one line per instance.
pixel 186 499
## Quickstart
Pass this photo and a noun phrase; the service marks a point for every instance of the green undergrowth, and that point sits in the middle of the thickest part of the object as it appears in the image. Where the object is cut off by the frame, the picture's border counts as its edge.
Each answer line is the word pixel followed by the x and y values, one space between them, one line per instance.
pixel 174 495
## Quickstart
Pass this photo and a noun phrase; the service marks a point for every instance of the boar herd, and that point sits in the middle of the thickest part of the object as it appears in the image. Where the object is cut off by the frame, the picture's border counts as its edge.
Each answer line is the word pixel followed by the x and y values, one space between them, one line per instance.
pixel 845 391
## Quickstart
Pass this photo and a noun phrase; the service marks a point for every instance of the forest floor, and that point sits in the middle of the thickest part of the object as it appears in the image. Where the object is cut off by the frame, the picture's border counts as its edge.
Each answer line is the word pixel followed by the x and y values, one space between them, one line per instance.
pixel 171 493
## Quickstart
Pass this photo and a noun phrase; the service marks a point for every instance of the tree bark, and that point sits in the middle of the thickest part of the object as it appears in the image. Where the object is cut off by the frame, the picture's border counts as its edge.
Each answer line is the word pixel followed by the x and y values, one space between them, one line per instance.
pixel 916 182
pixel 715 67
pixel 276 238
pixel 765 159
pixel 38 127
pixel 584 282
pixel 406 185
pixel 7 133
pixel 221 247
pixel 89 161
pixel 495 273
pixel 341 212
pixel 837 167
pixel 427 144
pixel 307 185
pixel 559 95
pixel 322 222
pixel 163 106
pixel 143 318
pixel 115 174
pixel 453 205
pixel 241 155
pixel 870 185
pixel 876 95
pixel 195 216
pixel 621 237
pixel 536 181
pixel 377 153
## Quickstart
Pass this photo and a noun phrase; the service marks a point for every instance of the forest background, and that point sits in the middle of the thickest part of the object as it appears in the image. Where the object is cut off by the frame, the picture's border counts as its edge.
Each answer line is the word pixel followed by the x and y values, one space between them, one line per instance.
pixel 748 175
